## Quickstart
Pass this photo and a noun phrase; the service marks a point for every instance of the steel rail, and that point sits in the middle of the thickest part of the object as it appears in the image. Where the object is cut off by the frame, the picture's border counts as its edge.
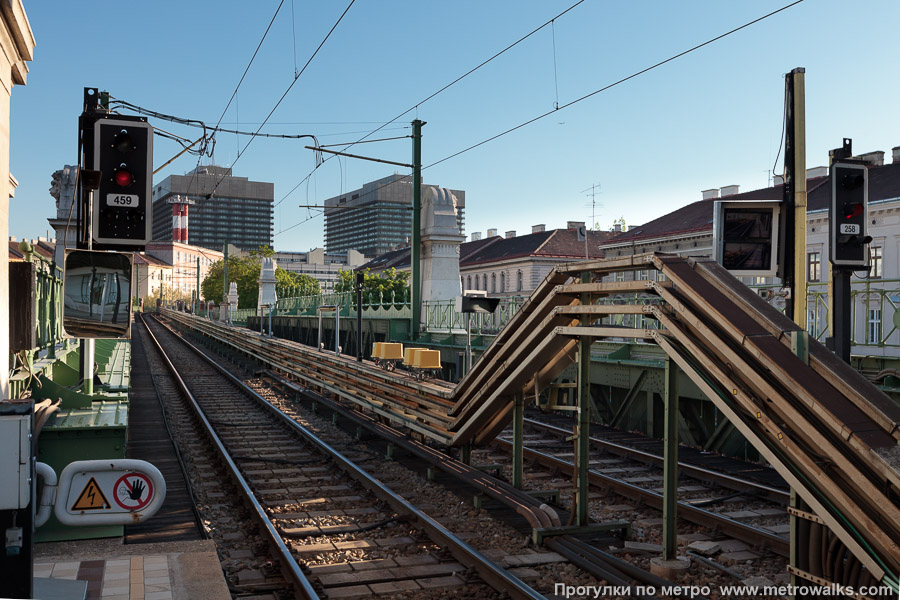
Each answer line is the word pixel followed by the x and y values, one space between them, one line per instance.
pixel 580 553
pixel 303 589
pixel 781 496
pixel 492 574
pixel 536 513
pixel 421 406
pixel 686 511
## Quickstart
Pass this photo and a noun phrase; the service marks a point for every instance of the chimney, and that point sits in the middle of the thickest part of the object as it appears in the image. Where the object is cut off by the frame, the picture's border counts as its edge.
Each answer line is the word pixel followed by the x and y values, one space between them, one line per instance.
pixel 510 234
pixel 476 235
pixel 574 224
pixel 542 227
pixel 876 159
pixel 895 154
pixel 617 228
pixel 491 232
pixel 817 172
pixel 710 194
pixel 729 190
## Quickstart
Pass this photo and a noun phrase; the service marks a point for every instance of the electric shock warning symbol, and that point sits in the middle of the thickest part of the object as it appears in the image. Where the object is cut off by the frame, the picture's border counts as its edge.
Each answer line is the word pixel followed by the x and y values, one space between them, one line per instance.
pixel 133 491
pixel 91 498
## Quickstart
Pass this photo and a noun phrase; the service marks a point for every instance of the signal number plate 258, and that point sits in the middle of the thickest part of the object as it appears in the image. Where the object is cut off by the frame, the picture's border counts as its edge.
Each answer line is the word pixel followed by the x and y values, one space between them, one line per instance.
pixel 122 200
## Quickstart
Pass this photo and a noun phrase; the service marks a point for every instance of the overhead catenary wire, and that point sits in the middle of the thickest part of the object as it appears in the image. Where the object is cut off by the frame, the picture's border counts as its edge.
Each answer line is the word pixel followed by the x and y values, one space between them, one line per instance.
pixel 284 95
pixel 197 123
pixel 439 91
pixel 556 108
pixel 615 83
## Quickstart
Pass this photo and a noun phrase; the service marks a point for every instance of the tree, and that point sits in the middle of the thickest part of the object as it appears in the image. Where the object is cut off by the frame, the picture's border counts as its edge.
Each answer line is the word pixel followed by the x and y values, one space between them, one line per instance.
pixel 245 272
pixel 386 286
pixel 621 222
pixel 296 284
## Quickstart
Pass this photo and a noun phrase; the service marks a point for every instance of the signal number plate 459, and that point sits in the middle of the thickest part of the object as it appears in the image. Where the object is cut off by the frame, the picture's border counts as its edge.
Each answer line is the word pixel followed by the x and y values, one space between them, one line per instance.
pixel 122 200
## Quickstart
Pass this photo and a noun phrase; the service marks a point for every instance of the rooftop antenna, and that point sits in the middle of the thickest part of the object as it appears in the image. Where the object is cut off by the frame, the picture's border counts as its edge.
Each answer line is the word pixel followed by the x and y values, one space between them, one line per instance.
pixel 594 191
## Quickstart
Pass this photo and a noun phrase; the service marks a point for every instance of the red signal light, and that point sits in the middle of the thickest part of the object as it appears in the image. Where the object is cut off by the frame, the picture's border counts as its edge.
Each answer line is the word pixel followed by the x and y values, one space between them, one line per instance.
pixel 123 177
pixel 853 209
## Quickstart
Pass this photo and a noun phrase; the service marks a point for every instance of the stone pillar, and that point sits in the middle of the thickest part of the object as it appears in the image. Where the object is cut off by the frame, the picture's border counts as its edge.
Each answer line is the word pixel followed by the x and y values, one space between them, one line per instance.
pixel 16 49
pixel 62 188
pixel 440 246
pixel 267 293
pixel 231 303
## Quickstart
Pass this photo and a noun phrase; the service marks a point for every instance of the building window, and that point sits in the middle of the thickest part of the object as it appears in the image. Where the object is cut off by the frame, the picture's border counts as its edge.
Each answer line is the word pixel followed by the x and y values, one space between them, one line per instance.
pixel 493 283
pixel 813 266
pixel 502 282
pixel 468 282
pixel 873 333
pixel 519 281
pixel 875 258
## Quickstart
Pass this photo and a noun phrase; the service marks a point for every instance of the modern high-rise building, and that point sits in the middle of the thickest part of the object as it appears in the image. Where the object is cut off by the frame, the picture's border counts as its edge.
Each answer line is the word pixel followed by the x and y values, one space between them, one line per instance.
pixel 376 218
pixel 241 212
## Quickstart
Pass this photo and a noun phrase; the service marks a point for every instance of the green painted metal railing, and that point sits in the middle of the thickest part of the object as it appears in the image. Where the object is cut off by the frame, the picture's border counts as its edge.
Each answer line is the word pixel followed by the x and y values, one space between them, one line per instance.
pixel 48 300
pixel 875 316
pixel 878 329
pixel 441 316
pixel 47 325
pixel 375 305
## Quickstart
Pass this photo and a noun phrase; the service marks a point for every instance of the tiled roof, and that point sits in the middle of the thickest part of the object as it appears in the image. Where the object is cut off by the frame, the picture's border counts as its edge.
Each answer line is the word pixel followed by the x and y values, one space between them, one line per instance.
pixel 41 248
pixel 884 183
pixel 396 259
pixel 556 243
pixel 146 259
pixel 469 248
pixel 14 253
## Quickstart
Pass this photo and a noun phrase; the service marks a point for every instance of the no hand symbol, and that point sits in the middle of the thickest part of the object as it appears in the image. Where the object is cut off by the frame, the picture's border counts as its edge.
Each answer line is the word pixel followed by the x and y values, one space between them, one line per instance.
pixel 133 491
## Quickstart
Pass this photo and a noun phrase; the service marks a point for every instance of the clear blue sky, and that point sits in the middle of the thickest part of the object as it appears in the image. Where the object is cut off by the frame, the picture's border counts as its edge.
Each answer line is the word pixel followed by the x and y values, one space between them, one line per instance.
pixel 709 119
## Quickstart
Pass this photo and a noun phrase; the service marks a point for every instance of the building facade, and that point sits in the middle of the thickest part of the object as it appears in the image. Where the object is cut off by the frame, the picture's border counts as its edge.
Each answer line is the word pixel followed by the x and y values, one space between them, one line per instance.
pixel 152 276
pixel 188 265
pixel 16 50
pixel 377 217
pixel 323 266
pixel 510 265
pixel 240 212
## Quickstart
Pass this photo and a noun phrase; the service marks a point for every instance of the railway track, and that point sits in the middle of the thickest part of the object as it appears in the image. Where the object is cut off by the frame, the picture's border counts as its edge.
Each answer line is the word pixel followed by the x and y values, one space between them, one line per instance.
pixel 824 429
pixel 329 526
pixel 736 538
pixel 745 509
pixel 725 515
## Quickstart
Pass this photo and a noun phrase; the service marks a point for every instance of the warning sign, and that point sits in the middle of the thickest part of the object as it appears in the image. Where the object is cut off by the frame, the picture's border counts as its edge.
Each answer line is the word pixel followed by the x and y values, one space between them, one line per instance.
pixel 133 491
pixel 91 498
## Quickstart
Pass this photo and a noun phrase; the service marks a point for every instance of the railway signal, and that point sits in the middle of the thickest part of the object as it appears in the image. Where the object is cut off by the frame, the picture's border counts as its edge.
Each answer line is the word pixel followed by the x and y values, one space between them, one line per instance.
pixel 123 153
pixel 848 214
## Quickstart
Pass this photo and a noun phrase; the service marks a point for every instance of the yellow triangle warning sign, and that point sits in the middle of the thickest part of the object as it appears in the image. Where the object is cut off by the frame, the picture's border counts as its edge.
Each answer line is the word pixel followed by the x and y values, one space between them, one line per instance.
pixel 91 498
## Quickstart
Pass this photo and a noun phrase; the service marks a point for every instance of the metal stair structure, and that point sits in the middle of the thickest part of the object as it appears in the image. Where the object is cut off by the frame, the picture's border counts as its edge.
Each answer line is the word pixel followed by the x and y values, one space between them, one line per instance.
pixel 823 426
